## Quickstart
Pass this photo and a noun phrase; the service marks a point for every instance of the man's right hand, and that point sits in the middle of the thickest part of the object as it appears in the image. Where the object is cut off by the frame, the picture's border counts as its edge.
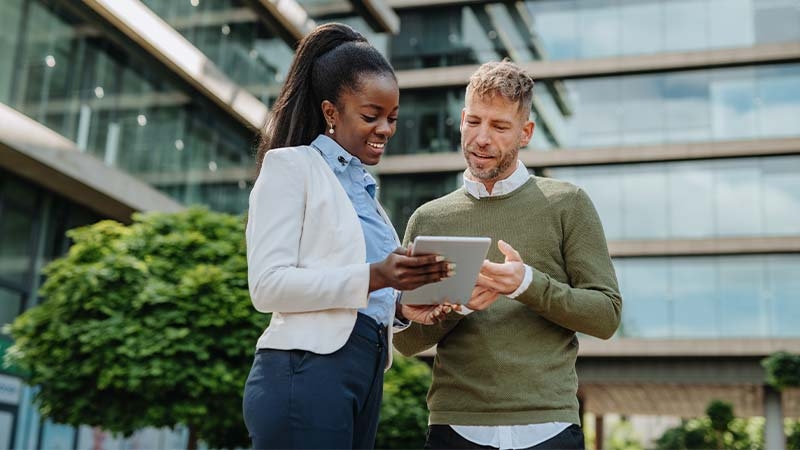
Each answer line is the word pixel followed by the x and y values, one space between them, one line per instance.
pixel 482 298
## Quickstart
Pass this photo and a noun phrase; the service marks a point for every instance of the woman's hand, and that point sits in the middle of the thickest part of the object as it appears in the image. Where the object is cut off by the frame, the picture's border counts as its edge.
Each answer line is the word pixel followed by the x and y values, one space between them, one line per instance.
pixel 404 272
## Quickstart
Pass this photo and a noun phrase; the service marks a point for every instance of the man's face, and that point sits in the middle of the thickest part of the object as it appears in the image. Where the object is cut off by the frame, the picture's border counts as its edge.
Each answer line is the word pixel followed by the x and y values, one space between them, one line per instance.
pixel 492 131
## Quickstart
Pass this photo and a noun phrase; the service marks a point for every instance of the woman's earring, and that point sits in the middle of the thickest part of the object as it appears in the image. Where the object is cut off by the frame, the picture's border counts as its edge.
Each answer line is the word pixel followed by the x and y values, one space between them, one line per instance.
pixel 330 130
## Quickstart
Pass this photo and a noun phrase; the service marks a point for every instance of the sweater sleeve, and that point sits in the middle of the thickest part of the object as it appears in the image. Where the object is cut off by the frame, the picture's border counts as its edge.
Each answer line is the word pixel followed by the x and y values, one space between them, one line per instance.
pixel 591 302
pixel 416 337
pixel 273 234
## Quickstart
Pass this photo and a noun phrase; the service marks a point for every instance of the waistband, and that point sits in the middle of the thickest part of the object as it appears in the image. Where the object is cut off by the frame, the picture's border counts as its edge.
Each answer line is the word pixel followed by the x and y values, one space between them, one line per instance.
pixel 368 328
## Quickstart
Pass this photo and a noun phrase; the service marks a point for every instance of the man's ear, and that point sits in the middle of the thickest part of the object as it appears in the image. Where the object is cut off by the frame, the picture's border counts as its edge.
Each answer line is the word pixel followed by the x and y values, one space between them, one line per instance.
pixel 330 112
pixel 527 133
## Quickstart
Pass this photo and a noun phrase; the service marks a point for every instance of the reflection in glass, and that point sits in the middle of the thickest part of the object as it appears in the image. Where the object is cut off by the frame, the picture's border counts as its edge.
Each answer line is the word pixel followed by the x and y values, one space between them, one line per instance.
pixel 16 245
pixel 709 297
pixel 576 29
pixel 402 195
pixel 120 108
pixel 741 297
pixel 694 199
pixel 646 298
pixel 11 304
pixel 704 105
pixel 694 297
pixel 784 301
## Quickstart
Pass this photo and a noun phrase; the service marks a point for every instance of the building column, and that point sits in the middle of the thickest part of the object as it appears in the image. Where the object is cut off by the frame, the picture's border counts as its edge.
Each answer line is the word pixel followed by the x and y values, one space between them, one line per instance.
pixel 598 432
pixel 774 437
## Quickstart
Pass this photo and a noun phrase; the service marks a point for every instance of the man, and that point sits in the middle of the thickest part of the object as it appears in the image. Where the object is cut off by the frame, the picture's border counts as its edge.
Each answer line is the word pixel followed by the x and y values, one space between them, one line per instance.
pixel 504 373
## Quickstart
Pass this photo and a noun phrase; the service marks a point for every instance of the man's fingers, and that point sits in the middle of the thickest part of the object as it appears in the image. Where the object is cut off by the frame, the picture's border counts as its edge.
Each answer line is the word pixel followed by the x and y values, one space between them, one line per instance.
pixel 510 253
pixel 486 282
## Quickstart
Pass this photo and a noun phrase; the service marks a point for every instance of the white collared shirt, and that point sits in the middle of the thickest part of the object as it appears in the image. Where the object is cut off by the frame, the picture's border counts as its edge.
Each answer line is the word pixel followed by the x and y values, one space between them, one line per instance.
pixel 507 436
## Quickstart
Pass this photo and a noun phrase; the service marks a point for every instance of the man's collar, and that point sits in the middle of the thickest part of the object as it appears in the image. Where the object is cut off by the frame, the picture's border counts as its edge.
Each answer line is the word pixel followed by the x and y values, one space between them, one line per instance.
pixel 501 187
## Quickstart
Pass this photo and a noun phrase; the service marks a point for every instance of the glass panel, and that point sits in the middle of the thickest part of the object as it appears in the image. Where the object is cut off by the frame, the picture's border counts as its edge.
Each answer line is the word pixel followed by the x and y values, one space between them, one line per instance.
pixel 694 199
pixel 741 295
pixel 6 422
pixel 644 194
pixel 777 21
pixel 731 23
pixel 57 436
pixel 11 304
pixel 784 284
pixel 644 284
pixel 738 198
pixel 16 246
pixel 691 201
pixel 402 195
pixel 125 111
pixel 777 98
pixel 781 212
pixel 10 21
pixel 599 27
pixel 638 21
pixel 694 295
pixel 688 25
pixel 709 297
pixel 236 42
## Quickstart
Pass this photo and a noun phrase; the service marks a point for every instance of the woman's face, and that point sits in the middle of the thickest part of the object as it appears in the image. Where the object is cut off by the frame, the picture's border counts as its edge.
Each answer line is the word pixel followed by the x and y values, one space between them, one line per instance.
pixel 364 120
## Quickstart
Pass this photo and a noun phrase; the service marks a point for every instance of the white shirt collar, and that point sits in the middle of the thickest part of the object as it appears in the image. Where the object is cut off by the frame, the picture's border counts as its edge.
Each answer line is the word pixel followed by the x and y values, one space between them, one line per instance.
pixel 502 187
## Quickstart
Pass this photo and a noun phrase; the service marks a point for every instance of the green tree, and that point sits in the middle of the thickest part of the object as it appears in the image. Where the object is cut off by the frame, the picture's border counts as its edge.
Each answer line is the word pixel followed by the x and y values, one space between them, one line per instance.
pixel 404 412
pixel 624 437
pixel 145 325
pixel 719 429
pixel 783 370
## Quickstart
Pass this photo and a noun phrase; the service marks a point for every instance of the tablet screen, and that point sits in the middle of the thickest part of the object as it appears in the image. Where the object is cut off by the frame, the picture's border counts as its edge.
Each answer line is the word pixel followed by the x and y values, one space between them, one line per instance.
pixel 467 253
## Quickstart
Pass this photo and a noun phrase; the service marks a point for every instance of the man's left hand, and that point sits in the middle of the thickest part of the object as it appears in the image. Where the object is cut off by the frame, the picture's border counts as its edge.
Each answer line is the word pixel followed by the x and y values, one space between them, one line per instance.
pixel 503 278
pixel 427 314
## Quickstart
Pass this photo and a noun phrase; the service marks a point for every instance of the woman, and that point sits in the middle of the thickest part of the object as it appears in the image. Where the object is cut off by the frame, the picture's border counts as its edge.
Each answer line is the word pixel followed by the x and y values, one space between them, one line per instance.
pixel 322 255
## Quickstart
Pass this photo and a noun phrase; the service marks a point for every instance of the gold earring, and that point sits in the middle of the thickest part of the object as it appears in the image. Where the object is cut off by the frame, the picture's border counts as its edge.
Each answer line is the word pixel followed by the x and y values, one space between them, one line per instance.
pixel 330 130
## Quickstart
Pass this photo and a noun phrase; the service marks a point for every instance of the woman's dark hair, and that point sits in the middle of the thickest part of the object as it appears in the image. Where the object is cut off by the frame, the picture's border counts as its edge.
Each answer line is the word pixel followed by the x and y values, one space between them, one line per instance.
pixel 330 59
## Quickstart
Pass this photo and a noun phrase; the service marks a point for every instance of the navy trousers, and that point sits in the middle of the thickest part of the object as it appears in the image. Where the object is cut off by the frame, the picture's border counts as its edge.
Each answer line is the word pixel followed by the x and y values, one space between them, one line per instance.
pixel 299 399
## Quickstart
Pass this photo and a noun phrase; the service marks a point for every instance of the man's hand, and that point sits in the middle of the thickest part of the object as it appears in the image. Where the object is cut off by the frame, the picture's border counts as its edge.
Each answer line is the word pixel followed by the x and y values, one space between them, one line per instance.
pixel 502 278
pixel 482 298
pixel 427 314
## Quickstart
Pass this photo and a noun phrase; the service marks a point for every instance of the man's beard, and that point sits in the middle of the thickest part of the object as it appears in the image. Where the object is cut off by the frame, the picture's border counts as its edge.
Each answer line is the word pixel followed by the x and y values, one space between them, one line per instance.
pixel 508 159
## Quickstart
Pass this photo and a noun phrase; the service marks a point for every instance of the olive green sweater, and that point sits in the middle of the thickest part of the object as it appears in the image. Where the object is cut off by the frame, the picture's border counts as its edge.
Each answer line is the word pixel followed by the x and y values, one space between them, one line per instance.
pixel 514 363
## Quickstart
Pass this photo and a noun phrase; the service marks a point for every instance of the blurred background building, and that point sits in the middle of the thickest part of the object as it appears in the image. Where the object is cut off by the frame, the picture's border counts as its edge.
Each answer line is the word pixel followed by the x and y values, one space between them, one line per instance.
pixel 680 118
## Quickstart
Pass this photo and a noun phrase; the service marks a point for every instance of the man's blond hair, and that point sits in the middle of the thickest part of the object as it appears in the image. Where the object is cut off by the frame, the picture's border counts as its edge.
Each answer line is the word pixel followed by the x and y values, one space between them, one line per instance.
pixel 503 78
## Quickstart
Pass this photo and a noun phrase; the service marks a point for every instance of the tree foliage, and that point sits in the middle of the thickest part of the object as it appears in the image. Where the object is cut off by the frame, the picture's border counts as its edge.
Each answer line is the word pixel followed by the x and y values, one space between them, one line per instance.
pixel 719 429
pixel 783 370
pixel 404 412
pixel 145 325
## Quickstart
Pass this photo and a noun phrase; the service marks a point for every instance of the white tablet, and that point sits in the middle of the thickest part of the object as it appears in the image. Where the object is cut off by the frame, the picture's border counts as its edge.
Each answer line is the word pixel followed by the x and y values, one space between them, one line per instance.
pixel 467 253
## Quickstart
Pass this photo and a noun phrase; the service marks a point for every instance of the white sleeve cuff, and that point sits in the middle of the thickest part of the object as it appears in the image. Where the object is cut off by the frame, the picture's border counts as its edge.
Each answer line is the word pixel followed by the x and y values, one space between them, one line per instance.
pixel 464 310
pixel 526 282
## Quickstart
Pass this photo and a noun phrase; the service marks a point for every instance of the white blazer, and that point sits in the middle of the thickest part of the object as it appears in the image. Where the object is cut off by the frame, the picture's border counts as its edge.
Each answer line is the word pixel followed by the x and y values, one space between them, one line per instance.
pixel 306 254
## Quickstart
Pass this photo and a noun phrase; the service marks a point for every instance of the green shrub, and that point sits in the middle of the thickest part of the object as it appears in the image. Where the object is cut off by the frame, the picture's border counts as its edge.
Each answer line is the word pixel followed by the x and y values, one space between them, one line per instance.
pixel 404 413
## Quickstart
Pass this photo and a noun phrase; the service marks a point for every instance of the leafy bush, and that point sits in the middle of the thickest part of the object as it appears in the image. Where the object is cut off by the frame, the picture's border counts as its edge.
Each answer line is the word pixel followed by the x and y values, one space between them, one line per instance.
pixel 404 412
pixel 145 325
pixel 718 430
pixel 783 370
